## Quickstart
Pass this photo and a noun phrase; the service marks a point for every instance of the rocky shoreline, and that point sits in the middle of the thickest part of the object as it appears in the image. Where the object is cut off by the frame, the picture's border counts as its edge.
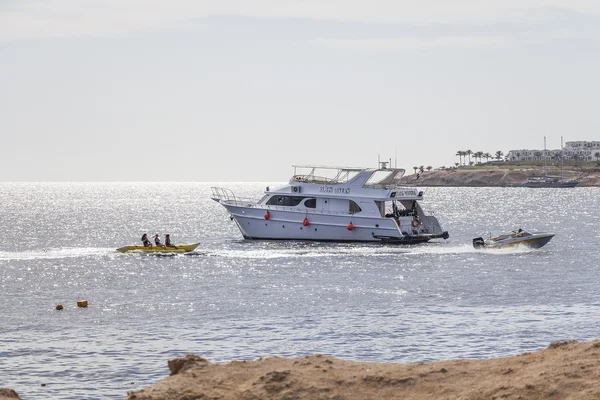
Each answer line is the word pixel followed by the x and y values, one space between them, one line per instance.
pixel 8 394
pixel 564 370
pixel 495 177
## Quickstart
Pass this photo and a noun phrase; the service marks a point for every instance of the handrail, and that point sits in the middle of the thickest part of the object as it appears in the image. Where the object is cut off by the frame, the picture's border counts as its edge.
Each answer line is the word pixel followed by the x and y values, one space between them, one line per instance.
pixel 224 194
pixel 221 194
pixel 314 179
pixel 250 203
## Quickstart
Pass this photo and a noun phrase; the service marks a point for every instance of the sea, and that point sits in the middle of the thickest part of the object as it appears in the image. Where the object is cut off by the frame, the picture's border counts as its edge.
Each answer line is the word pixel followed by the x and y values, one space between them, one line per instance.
pixel 235 299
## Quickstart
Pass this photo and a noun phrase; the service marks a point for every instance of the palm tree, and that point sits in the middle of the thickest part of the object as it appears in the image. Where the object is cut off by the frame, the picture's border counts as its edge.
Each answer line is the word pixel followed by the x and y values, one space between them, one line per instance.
pixel 429 168
pixel 415 168
pixel 456 164
pixel 576 158
pixel 538 154
pixel 499 155
pixel 469 152
pixel 597 155
pixel 459 154
pixel 479 154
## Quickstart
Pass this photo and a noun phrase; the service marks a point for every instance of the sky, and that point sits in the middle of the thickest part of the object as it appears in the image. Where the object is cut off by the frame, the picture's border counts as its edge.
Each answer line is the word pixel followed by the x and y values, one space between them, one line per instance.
pixel 239 90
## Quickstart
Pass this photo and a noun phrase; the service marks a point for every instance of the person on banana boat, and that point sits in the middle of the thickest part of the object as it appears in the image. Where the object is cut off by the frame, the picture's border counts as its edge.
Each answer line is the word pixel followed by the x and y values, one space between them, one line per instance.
pixel 157 241
pixel 146 241
pixel 168 241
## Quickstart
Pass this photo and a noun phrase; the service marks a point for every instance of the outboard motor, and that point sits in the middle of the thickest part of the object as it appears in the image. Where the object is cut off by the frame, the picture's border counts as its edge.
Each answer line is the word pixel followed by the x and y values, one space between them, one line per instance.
pixel 478 243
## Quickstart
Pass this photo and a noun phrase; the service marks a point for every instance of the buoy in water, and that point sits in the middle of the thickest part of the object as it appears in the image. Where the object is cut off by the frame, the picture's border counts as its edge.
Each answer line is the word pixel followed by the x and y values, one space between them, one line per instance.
pixel 350 226
pixel 306 222
pixel 82 303
pixel 59 307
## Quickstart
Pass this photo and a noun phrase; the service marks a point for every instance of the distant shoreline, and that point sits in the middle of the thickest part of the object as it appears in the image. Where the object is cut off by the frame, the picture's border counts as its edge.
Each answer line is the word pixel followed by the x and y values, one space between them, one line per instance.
pixel 514 176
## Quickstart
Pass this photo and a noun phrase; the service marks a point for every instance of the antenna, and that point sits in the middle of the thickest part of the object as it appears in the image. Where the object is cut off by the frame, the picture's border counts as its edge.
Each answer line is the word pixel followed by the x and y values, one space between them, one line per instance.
pixel 561 158
pixel 544 156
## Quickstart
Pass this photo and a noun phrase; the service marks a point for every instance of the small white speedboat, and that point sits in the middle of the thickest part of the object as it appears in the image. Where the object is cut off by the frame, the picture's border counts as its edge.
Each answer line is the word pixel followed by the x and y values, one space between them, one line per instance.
pixel 534 240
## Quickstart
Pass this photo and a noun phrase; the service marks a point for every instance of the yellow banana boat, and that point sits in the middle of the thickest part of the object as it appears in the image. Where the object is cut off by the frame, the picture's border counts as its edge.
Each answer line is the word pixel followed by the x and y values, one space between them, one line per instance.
pixel 180 248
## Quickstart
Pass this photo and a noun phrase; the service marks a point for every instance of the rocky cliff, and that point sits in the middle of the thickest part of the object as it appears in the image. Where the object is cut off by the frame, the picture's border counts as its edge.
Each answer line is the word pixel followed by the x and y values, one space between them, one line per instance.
pixel 479 177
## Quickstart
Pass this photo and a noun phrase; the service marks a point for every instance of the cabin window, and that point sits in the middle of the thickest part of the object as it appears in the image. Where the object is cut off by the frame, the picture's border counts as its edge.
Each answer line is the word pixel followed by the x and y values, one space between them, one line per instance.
pixel 310 203
pixel 353 208
pixel 289 201
pixel 381 207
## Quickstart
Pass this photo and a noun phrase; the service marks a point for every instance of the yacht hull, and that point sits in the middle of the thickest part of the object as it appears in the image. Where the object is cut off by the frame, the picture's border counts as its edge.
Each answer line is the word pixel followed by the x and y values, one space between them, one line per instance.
pixel 289 225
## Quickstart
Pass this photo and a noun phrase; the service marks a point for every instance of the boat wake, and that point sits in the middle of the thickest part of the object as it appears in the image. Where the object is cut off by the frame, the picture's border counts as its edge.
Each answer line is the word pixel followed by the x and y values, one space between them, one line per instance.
pixel 270 253
pixel 55 253
pixel 467 248
pixel 366 251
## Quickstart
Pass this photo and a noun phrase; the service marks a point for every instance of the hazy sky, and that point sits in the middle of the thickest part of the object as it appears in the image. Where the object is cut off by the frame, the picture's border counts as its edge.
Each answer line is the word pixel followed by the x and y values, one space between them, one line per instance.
pixel 225 90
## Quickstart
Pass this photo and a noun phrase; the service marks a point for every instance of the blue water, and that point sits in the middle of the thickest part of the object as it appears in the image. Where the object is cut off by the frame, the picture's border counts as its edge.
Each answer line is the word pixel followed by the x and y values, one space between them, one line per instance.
pixel 240 299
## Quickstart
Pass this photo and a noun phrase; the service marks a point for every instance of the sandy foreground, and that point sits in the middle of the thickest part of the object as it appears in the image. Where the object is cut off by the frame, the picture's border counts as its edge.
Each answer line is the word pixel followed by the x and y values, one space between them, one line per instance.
pixel 564 370
pixel 494 177
pixel 8 394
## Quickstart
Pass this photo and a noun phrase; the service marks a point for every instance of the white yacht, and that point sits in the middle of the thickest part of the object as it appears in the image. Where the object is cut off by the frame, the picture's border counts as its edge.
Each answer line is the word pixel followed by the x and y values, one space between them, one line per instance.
pixel 339 204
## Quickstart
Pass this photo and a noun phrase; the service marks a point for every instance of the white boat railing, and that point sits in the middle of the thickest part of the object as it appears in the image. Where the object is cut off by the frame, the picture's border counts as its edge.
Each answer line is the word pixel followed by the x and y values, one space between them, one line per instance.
pixel 303 210
pixel 247 203
pixel 226 195
pixel 314 179
pixel 222 194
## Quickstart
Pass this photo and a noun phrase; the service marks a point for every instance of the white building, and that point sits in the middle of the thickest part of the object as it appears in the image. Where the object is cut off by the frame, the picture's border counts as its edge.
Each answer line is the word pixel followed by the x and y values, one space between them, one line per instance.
pixel 587 151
